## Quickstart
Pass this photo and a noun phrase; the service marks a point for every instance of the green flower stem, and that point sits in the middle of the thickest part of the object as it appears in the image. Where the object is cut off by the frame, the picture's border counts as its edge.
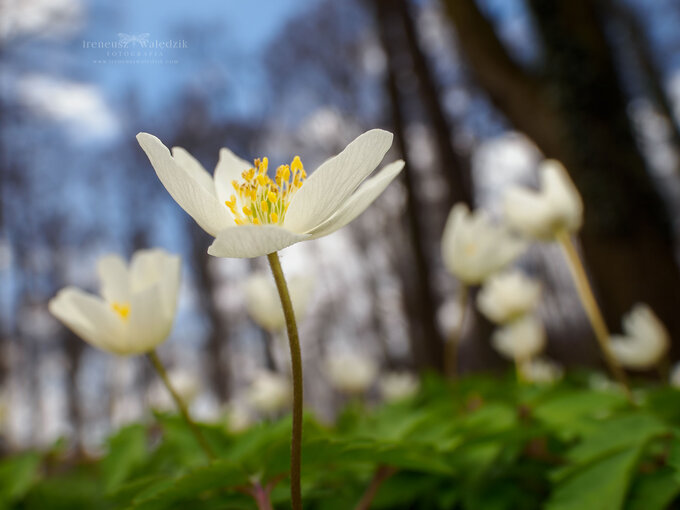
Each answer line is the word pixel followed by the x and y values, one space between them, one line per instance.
pixel 452 343
pixel 200 438
pixel 296 365
pixel 591 308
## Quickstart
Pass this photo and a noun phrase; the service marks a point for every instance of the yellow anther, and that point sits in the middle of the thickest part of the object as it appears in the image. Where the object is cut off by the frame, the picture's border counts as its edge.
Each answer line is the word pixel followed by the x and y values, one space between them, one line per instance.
pixel 261 179
pixel 271 196
pixel 274 217
pixel 296 164
pixel 122 309
pixel 264 164
pixel 264 206
pixel 246 210
pixel 256 221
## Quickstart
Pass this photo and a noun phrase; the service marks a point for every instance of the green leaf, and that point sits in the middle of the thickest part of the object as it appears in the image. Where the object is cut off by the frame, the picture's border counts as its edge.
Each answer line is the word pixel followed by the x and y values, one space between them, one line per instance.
pixel 600 485
pixel 17 475
pixel 127 452
pixel 654 491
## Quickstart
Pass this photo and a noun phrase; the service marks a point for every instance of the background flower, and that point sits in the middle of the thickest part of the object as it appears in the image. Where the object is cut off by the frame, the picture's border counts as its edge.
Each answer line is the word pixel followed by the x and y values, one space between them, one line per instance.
pixel 269 393
pixel 554 207
pixel 645 342
pixel 350 372
pixel 508 295
pixel 520 340
pixel 264 305
pixel 136 308
pixel 473 248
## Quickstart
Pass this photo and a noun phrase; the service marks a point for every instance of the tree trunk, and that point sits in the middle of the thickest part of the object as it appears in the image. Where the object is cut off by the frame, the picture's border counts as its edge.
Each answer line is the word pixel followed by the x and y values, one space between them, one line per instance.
pixel 426 341
pixel 576 112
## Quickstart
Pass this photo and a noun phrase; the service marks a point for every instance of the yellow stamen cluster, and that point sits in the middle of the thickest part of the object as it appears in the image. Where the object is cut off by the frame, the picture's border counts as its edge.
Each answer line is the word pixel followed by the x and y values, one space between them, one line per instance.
pixel 122 309
pixel 259 200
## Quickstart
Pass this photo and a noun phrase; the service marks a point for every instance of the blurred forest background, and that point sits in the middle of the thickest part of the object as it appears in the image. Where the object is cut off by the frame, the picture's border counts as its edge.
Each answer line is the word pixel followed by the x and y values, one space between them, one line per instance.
pixel 476 93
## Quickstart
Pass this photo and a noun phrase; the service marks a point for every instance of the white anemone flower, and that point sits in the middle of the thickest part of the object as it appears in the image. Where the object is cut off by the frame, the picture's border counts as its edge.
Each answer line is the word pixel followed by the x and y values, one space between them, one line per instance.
pixel 185 383
pixel 520 340
pixel 250 214
pixel 507 296
pixel 398 385
pixel 269 393
pixel 645 342
pixel 264 305
pixel 555 207
pixel 350 372
pixel 137 305
pixel 541 371
pixel 473 248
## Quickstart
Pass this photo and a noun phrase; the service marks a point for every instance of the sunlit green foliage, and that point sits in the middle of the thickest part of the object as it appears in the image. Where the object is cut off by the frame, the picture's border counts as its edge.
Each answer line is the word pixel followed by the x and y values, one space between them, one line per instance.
pixel 481 443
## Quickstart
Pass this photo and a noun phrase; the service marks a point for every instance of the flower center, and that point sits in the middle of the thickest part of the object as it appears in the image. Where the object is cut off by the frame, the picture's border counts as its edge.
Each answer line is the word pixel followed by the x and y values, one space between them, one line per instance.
pixel 259 200
pixel 122 309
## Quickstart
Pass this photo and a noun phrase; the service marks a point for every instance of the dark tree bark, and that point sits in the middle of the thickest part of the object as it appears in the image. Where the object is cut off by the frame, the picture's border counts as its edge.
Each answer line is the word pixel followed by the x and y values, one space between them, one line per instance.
pixel 576 112
pixel 426 341
pixel 218 334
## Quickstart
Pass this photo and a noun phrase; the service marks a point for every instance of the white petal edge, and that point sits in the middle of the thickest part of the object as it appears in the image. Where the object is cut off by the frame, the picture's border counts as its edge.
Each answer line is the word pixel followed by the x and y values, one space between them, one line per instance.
pixel 248 241
pixel 189 193
pixel 90 318
pixel 193 167
pixel 114 278
pixel 229 168
pixel 335 180
pixel 367 193
pixel 149 267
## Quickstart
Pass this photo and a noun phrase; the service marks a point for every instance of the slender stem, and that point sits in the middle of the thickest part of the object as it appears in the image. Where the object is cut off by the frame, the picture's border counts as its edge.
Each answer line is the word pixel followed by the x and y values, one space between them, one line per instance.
pixel 452 343
pixel 591 308
pixel 381 474
pixel 296 369
pixel 200 438
pixel 261 496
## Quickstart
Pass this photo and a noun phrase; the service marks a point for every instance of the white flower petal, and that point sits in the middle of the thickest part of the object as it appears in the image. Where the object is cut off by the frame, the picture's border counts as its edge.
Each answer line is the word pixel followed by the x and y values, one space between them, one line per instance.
pixel 229 168
pixel 203 206
pixel 193 167
pixel 247 241
pixel 114 279
pixel 359 201
pixel 335 180
pixel 149 267
pixel 90 318
pixel 149 324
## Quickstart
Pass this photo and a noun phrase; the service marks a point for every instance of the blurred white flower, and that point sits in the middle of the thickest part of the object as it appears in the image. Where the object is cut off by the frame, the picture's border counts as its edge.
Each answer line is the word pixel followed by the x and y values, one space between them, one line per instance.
pixel 398 385
pixel 473 248
pixel 541 371
pixel 237 417
pixel 520 340
pixel 264 305
pixel 269 393
pixel 675 376
pixel 645 342
pixel 507 296
pixel 137 305
pixel 351 373
pixel 185 383
pixel 555 207
pixel 250 214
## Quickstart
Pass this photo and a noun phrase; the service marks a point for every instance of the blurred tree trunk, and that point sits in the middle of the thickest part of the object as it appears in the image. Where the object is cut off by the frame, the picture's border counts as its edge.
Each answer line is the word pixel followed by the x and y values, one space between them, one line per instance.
pixel 576 112
pixel 454 167
pixel 651 74
pixel 426 341
pixel 218 334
